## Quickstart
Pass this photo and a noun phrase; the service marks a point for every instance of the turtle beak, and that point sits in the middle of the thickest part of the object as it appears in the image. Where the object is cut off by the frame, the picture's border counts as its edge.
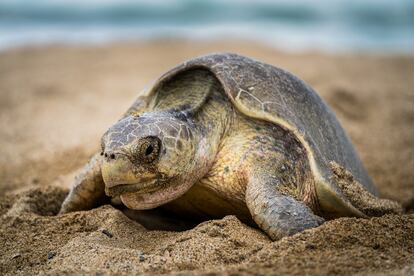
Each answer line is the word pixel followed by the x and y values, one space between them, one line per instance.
pixel 119 175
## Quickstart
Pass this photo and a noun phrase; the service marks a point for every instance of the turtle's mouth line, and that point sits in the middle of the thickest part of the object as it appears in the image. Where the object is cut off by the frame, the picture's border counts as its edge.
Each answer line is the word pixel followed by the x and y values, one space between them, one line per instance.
pixel 139 188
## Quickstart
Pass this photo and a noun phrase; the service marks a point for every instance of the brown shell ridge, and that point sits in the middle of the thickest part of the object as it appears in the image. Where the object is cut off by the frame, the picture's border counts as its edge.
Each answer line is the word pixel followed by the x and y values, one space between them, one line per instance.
pixel 262 91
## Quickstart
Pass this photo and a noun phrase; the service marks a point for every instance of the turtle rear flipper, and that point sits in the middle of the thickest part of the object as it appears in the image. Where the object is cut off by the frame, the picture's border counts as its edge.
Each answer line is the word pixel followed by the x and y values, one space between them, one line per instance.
pixel 359 197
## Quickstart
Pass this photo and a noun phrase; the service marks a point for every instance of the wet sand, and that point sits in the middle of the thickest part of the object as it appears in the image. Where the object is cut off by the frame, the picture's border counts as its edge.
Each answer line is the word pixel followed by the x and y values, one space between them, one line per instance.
pixel 57 101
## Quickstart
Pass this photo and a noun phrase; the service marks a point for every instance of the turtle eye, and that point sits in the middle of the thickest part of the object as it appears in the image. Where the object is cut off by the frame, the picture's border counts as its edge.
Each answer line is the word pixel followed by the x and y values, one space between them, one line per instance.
pixel 148 149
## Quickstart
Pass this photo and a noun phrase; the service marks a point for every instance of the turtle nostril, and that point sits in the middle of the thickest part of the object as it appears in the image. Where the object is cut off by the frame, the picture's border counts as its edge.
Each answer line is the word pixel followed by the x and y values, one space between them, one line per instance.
pixel 112 156
pixel 106 155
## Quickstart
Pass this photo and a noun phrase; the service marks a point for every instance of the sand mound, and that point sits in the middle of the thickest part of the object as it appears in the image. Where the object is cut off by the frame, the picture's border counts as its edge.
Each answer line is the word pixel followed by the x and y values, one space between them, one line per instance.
pixel 105 240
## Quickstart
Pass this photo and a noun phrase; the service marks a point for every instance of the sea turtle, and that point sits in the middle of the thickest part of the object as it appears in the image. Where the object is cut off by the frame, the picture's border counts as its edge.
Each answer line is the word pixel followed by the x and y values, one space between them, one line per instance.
pixel 225 134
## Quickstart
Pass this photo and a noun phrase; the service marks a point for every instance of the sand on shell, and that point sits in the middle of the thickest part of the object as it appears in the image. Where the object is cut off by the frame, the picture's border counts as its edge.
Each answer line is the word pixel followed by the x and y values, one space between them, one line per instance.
pixel 56 101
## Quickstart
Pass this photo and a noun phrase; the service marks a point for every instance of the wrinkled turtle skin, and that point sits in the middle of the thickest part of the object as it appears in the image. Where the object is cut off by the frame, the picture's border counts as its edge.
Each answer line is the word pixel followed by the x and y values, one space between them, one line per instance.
pixel 224 134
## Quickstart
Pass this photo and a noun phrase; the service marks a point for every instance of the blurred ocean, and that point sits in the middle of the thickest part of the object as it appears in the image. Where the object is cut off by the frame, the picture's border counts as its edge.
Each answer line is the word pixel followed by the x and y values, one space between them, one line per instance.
pixel 336 25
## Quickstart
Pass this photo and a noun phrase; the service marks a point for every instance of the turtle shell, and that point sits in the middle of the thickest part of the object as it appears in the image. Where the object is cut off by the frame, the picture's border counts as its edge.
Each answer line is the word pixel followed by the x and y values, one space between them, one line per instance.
pixel 265 92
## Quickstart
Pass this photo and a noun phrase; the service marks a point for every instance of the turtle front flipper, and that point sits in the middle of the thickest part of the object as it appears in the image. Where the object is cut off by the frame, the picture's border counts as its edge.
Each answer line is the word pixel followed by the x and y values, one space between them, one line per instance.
pixel 138 107
pixel 88 190
pixel 277 214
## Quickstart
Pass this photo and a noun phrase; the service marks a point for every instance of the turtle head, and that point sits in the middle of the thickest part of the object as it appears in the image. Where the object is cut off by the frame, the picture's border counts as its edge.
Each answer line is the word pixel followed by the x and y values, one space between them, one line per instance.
pixel 148 160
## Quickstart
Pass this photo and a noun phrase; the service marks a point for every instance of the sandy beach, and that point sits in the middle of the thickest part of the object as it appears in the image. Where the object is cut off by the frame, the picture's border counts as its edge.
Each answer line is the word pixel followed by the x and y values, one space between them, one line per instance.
pixel 57 101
